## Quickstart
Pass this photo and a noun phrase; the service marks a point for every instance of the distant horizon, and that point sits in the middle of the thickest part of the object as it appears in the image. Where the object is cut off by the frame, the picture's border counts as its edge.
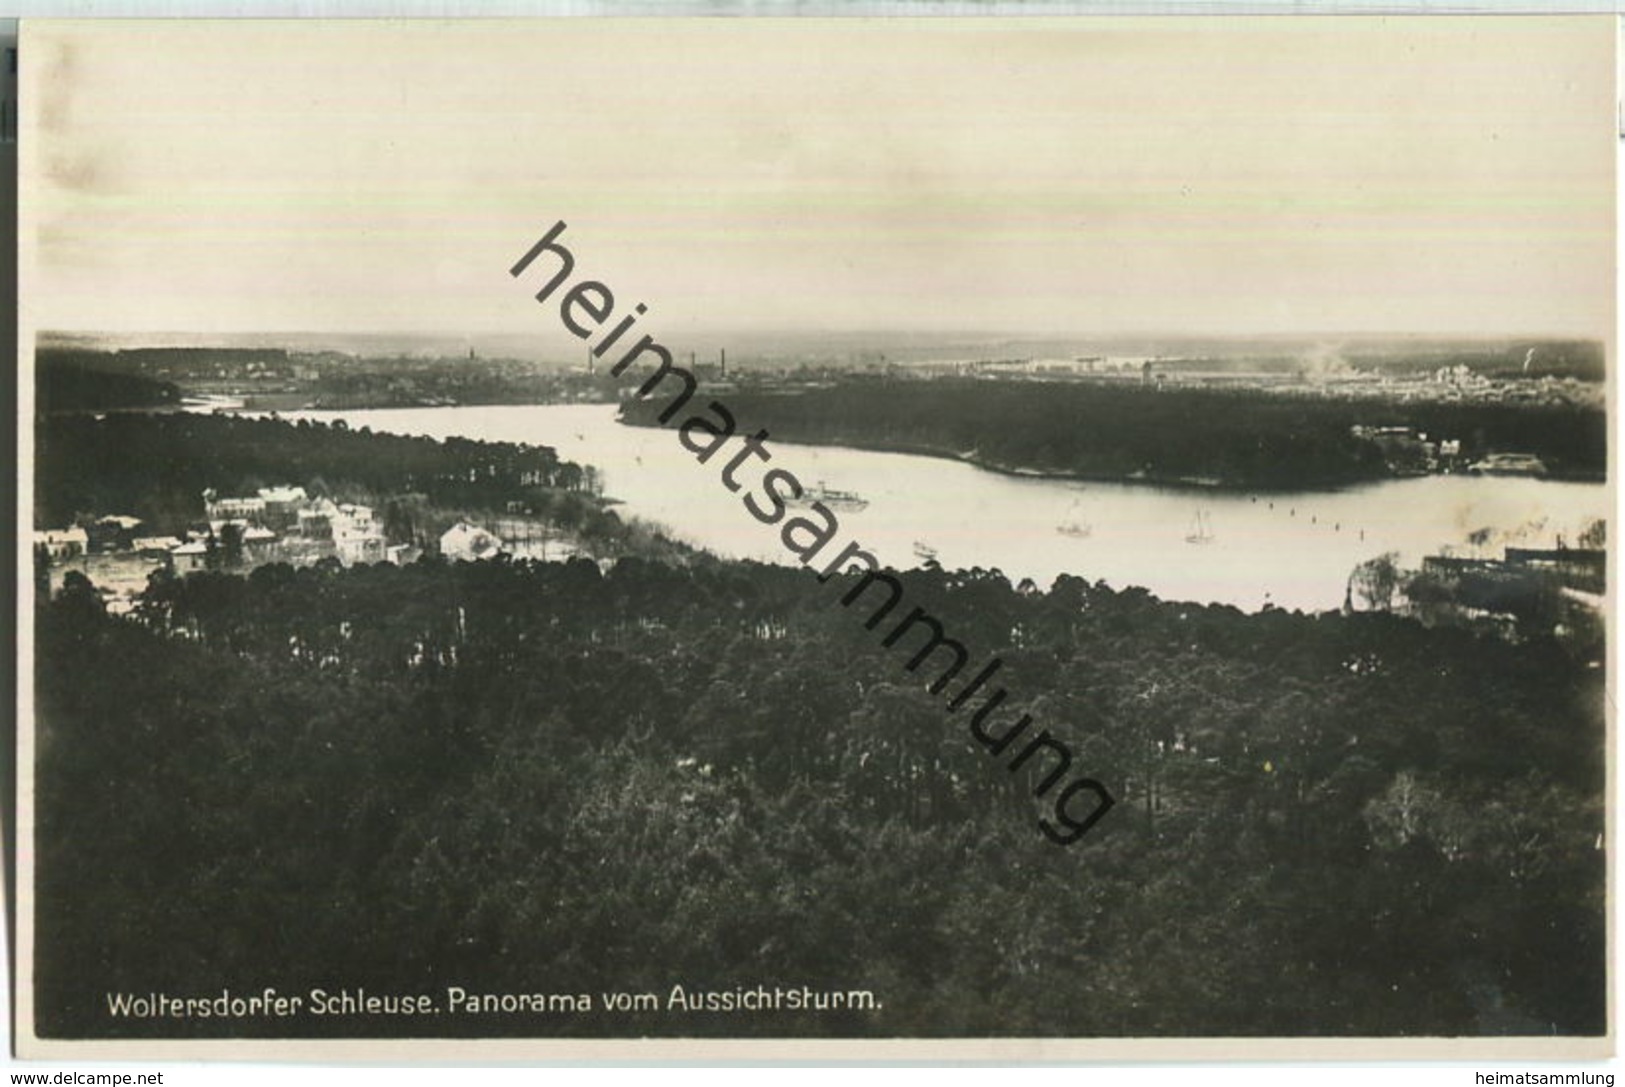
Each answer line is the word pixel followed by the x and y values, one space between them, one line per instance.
pixel 163 337
pixel 841 349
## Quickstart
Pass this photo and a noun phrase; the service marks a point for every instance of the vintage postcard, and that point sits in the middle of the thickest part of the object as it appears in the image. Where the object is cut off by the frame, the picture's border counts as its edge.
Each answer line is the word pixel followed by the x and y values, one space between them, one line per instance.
pixel 810 538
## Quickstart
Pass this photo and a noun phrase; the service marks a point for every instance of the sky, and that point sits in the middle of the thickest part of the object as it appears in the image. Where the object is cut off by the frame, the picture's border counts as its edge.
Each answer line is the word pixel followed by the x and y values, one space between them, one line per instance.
pixel 1231 176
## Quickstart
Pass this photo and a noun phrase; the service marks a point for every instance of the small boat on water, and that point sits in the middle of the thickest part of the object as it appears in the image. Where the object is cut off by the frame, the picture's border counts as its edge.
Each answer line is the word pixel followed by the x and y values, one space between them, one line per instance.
pixel 1075 526
pixel 1203 533
pixel 832 498
pixel 1508 464
pixel 209 402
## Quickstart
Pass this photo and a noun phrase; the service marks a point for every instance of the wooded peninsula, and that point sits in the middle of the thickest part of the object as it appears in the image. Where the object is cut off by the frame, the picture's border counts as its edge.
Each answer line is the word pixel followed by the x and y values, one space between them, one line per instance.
pixel 1177 435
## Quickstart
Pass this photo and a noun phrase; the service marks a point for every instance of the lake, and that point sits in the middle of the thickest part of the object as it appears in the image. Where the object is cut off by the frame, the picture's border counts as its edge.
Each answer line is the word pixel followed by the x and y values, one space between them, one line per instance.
pixel 1290 550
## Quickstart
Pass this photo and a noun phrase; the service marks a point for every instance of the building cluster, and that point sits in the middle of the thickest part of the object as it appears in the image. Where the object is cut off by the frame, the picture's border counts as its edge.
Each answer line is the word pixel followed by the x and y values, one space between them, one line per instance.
pixel 1576 569
pixel 1460 376
pixel 1409 451
pixel 284 524
pixel 1458 385
pixel 277 524
pixel 115 532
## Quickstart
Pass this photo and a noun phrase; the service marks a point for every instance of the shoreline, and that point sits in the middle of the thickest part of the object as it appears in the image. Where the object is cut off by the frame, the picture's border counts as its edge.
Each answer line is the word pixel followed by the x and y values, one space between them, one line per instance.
pixel 1186 483
pixel 1191 484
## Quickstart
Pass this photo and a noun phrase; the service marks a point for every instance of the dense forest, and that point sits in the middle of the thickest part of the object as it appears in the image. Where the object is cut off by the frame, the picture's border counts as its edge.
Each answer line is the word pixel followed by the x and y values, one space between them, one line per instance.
pixel 520 777
pixel 80 378
pixel 1100 431
pixel 71 386
pixel 156 467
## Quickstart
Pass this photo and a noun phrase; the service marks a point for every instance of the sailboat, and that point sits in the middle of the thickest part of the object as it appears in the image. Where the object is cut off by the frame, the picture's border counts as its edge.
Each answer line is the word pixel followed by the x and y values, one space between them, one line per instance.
pixel 1073 525
pixel 1203 533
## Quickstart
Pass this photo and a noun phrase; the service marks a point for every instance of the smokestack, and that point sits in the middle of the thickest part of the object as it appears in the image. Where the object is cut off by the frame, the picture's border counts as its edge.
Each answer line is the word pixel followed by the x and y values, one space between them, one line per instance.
pixel 724 362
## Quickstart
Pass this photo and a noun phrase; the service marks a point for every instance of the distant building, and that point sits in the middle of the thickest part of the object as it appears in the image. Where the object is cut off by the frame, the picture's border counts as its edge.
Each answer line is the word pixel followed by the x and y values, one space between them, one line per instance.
pixel 154 547
pixel 1405 450
pixel 1583 569
pixel 218 528
pixel 1576 567
pixel 190 556
pixel 469 541
pixel 232 509
pixel 63 543
pixel 316 520
pixel 353 518
pixel 357 536
pixel 259 544
pixel 281 505
pixel 402 554
pixel 356 546
pixel 112 533
pixel 284 523
pixel 1448 566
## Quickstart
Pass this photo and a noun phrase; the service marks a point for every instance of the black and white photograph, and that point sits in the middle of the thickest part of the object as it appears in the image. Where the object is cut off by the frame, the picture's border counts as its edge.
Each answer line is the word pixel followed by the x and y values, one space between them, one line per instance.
pixel 898 537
